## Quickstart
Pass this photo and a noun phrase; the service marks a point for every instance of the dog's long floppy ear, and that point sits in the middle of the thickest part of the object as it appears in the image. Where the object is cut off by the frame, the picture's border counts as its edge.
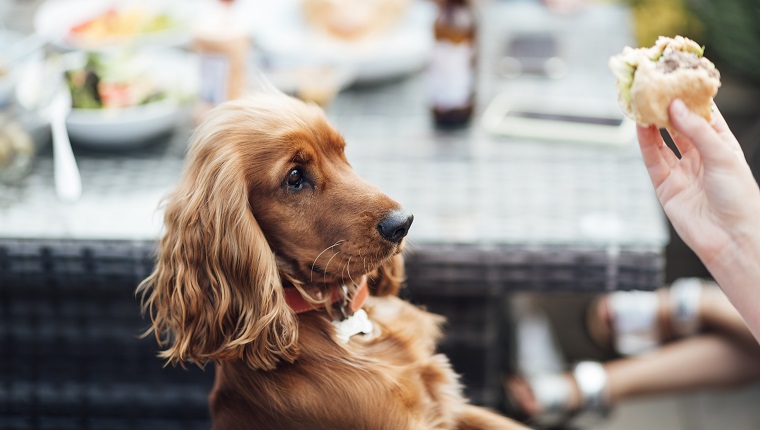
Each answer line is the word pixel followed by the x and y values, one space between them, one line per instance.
pixel 386 280
pixel 215 293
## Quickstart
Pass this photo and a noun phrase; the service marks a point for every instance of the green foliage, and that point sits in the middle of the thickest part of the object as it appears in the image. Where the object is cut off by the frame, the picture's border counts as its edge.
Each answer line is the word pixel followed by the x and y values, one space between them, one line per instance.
pixel 654 18
pixel 733 32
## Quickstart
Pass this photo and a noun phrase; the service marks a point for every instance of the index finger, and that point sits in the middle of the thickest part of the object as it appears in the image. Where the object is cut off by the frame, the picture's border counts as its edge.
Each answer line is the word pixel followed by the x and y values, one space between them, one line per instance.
pixel 658 158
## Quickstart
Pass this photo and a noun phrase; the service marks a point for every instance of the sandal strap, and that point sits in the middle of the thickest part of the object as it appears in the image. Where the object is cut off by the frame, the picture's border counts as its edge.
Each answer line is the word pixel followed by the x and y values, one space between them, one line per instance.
pixel 593 386
pixel 685 294
pixel 552 392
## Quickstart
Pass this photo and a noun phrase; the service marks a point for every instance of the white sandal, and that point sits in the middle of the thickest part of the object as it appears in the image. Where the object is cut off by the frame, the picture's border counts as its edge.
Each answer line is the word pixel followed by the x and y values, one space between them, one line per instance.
pixel 593 386
pixel 684 301
pixel 634 315
pixel 552 392
pixel 634 321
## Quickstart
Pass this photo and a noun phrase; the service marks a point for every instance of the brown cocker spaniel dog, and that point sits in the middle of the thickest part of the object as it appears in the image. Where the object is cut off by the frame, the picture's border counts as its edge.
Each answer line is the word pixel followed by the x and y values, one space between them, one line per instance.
pixel 271 242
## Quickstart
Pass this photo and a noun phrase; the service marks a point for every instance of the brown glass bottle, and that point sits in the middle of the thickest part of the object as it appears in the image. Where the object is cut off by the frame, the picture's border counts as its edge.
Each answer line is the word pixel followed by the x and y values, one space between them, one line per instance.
pixel 452 67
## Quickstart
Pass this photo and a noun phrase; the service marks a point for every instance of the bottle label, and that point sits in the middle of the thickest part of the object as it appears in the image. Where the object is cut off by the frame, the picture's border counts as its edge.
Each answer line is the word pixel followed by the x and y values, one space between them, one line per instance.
pixel 451 74
pixel 215 71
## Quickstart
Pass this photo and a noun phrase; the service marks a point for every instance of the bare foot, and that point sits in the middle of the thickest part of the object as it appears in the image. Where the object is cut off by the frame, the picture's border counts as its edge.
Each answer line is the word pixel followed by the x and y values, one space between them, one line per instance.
pixel 520 391
pixel 600 324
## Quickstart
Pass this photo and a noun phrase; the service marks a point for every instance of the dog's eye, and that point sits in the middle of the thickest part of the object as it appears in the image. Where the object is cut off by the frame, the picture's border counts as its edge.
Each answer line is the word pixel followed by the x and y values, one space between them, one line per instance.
pixel 295 178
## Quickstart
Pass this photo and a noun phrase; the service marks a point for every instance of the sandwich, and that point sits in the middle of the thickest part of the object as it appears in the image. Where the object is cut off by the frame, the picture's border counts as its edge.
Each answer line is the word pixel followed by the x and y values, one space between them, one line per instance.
pixel 649 79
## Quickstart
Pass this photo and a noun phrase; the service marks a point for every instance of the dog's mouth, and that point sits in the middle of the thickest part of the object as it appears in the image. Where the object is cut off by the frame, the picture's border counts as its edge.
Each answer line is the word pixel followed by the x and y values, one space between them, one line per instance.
pixel 342 267
pixel 352 267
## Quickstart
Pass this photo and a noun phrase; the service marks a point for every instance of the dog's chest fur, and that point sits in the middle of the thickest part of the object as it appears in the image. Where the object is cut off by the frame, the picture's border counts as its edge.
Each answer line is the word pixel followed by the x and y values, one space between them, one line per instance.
pixel 392 374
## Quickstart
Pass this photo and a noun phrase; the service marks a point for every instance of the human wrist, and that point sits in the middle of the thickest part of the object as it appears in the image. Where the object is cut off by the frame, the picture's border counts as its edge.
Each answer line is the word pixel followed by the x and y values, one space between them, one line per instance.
pixel 736 269
pixel 741 253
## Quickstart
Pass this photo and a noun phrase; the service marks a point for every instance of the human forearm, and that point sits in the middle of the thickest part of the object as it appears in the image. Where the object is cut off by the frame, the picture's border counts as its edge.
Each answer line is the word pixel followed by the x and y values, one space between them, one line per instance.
pixel 737 270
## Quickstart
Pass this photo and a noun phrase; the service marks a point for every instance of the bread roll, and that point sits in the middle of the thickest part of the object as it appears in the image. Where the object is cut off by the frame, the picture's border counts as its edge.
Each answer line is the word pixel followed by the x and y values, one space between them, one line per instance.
pixel 353 19
pixel 649 79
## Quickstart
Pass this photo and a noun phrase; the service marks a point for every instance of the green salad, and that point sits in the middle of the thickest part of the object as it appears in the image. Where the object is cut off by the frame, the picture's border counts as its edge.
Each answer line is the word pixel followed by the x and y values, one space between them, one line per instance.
pixel 112 83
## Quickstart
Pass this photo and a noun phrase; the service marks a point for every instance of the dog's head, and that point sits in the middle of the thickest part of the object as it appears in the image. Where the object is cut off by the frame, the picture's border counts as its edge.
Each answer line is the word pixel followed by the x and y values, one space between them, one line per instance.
pixel 267 197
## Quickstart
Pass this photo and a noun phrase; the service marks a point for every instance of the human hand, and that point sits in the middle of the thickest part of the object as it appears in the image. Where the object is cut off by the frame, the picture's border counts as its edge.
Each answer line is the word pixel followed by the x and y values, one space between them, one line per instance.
pixel 709 194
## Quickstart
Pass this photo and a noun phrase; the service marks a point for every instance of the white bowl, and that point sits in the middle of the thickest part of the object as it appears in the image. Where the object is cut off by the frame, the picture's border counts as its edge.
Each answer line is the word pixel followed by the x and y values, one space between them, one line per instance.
pixel 54 19
pixel 128 127
pixel 134 126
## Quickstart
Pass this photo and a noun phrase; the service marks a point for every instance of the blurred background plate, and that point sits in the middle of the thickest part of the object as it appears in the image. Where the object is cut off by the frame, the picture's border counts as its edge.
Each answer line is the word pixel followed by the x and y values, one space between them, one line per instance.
pixel 174 71
pixel 284 34
pixel 104 24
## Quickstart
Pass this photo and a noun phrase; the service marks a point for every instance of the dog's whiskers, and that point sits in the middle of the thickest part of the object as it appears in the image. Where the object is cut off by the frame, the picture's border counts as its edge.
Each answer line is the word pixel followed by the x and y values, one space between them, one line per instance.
pixel 324 277
pixel 311 275
pixel 342 271
pixel 348 271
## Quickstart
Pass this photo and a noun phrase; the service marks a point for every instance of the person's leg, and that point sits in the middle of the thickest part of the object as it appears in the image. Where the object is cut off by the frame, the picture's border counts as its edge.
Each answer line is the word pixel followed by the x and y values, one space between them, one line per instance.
pixel 713 312
pixel 643 316
pixel 701 362
pixel 718 315
pixel 726 354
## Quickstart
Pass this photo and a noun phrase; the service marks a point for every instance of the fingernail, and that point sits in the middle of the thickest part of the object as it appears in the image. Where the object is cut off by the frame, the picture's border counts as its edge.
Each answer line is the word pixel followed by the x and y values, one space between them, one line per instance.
pixel 679 108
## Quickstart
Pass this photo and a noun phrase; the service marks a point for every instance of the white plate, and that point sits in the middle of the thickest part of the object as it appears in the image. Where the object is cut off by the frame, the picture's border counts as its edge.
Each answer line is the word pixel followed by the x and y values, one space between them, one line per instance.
pixel 54 20
pixel 133 126
pixel 279 29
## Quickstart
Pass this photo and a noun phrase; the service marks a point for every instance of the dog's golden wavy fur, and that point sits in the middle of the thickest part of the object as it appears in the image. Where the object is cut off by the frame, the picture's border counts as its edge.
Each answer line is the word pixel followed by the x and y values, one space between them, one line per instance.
pixel 269 201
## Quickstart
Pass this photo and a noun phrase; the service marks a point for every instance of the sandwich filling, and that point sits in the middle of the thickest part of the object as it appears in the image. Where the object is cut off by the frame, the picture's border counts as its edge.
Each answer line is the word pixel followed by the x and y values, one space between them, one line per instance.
pixel 673 59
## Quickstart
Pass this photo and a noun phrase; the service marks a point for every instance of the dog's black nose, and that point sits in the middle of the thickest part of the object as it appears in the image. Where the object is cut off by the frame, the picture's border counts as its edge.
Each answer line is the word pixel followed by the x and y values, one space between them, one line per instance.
pixel 396 225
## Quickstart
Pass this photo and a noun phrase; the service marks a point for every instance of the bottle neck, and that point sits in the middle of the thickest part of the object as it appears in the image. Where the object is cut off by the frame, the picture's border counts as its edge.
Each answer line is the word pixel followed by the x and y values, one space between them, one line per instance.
pixel 456 22
pixel 454 3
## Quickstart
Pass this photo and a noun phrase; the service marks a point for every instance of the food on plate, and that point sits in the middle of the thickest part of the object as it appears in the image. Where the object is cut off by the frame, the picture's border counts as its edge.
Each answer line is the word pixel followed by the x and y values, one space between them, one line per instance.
pixel 112 82
pixel 115 25
pixel 649 79
pixel 16 151
pixel 353 19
